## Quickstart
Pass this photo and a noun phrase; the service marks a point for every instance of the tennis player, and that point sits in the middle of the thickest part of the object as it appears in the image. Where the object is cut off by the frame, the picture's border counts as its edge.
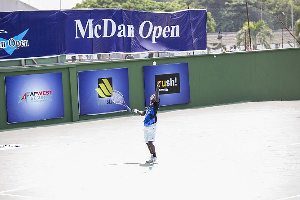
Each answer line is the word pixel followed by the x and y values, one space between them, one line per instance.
pixel 150 122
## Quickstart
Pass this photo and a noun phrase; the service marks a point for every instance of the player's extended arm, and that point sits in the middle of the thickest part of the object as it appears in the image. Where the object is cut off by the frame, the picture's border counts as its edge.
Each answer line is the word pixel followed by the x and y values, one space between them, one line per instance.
pixel 142 113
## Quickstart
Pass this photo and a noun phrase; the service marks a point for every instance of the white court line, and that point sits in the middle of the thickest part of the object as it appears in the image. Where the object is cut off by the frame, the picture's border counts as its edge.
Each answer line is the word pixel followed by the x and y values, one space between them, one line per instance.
pixel 22 196
pixel 292 197
pixel 5 193
pixel 23 188
pixel 294 144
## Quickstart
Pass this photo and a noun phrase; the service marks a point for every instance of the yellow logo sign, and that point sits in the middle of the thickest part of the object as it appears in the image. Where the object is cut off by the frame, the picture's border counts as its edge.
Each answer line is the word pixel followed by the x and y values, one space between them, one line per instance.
pixel 105 87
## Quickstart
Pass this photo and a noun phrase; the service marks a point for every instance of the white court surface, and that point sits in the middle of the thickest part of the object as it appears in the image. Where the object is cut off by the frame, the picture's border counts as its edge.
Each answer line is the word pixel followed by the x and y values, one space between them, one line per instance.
pixel 245 151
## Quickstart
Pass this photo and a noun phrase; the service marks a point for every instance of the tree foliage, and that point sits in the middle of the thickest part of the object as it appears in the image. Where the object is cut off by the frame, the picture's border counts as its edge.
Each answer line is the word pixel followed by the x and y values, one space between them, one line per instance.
pixel 230 14
pixel 260 34
pixel 227 16
pixel 297 30
pixel 141 5
pixel 146 5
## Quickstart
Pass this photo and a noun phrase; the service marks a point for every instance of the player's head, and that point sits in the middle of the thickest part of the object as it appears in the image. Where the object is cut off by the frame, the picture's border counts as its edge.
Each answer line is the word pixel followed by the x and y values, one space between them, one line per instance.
pixel 152 98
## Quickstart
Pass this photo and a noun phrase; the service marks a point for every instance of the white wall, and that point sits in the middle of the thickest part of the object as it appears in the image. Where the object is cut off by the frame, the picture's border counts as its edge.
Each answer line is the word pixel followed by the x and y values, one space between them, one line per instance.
pixel 14 5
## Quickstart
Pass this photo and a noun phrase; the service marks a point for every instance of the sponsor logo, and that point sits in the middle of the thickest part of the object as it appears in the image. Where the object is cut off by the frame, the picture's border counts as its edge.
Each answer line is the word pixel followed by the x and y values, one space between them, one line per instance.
pixel 40 96
pixel 17 42
pixel 109 28
pixel 169 83
pixel 104 91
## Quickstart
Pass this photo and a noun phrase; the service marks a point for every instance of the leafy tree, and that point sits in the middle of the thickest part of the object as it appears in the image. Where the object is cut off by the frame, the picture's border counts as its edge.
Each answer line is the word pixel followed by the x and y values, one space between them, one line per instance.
pixel 148 5
pixel 227 14
pixel 87 4
pixel 230 14
pixel 260 34
pixel 283 9
pixel 211 23
pixel 297 30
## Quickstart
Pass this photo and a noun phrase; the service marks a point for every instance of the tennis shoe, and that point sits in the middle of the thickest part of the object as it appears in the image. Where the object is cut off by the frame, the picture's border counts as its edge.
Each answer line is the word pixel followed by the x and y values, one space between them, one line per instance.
pixel 151 160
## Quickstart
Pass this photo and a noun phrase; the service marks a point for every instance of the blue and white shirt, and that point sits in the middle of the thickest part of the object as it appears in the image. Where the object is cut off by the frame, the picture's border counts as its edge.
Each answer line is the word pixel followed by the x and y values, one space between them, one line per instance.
pixel 150 115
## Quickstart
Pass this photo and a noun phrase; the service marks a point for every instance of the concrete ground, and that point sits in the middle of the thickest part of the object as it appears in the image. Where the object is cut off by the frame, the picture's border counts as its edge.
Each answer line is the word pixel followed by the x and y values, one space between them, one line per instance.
pixel 246 151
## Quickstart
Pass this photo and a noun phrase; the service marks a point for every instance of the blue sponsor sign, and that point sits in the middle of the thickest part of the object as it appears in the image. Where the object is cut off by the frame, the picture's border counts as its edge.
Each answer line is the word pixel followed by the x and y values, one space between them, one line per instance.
pixel 34 97
pixel 31 34
pixel 174 83
pixel 95 89
pixel 44 33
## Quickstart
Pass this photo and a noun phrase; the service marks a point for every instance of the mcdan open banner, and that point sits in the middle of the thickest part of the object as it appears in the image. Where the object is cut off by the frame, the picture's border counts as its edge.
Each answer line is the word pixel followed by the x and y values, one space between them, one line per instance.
pixel 34 97
pixel 174 83
pixel 96 87
pixel 26 34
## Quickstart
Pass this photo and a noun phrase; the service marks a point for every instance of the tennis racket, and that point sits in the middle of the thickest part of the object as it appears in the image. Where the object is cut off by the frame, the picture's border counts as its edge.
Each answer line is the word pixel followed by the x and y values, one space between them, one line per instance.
pixel 118 98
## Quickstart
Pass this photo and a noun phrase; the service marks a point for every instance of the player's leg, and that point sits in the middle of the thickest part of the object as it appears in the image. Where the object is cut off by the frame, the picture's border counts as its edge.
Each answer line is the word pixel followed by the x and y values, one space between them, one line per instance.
pixel 149 139
pixel 151 148
pixel 152 151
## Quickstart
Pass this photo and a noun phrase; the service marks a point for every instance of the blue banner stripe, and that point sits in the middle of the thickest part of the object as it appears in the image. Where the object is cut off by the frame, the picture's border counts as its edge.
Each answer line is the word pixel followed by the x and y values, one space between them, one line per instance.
pixel 45 33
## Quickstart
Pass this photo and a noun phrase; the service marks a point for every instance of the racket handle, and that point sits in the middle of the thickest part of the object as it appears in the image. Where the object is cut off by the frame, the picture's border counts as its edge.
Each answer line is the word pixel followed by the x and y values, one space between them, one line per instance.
pixel 129 108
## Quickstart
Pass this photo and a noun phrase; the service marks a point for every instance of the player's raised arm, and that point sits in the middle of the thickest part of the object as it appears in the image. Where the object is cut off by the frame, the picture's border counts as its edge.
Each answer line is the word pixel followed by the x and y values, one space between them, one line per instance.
pixel 157 91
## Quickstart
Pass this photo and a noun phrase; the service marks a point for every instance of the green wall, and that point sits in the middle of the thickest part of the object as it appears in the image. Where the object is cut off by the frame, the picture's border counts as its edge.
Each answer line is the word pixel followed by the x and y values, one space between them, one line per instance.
pixel 214 79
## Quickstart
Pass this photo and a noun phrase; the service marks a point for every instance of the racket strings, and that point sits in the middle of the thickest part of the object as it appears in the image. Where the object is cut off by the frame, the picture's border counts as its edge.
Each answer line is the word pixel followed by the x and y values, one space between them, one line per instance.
pixel 117 98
